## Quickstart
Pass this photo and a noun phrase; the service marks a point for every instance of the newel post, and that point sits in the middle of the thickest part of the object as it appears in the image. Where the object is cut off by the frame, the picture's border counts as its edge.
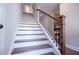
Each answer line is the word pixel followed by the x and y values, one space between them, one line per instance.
pixel 62 24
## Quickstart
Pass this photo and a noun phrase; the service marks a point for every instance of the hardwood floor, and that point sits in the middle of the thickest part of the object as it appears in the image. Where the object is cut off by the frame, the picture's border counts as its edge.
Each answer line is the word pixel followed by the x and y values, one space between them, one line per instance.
pixel 69 51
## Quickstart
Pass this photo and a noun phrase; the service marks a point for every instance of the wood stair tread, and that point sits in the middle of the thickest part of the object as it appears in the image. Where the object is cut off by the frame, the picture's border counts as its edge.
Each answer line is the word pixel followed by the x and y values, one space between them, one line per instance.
pixel 32 48
pixel 50 53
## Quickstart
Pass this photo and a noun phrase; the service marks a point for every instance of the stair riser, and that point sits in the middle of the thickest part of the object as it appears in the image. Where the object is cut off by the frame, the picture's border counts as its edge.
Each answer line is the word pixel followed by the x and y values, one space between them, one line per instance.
pixel 27 21
pixel 23 40
pixel 29 28
pixel 30 25
pixel 31 37
pixel 30 32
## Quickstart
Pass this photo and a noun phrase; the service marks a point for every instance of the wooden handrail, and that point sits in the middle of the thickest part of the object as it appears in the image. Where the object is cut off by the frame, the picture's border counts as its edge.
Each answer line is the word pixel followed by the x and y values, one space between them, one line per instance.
pixel 48 15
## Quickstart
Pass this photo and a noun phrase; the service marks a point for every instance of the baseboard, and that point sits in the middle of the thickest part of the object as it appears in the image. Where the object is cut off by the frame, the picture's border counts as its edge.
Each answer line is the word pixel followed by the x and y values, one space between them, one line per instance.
pixel 72 47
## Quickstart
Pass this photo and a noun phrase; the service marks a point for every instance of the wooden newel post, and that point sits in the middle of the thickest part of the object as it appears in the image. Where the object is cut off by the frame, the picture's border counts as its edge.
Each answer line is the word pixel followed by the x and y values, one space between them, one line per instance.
pixel 62 40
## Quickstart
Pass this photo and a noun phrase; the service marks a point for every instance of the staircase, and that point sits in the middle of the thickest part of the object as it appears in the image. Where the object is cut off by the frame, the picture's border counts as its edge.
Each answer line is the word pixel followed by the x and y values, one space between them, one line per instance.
pixel 31 39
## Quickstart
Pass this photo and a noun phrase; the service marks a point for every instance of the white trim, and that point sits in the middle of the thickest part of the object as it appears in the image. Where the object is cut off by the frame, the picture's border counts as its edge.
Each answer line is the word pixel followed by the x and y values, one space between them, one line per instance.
pixel 72 47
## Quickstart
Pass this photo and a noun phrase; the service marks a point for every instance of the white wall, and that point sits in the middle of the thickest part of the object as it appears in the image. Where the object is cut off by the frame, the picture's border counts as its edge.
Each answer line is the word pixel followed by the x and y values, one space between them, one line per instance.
pixel 48 7
pixel 2 31
pixel 11 14
pixel 71 11
pixel 14 13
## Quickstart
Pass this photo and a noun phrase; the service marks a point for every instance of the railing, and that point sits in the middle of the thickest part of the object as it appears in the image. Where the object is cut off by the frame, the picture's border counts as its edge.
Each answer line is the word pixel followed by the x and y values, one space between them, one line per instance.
pixel 54 26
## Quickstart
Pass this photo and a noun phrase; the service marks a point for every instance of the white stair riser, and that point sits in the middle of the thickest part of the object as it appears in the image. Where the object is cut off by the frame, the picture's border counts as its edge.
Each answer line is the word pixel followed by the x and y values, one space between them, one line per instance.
pixel 28 28
pixel 30 25
pixel 28 40
pixel 27 21
pixel 31 37
pixel 36 52
pixel 27 44
pixel 30 32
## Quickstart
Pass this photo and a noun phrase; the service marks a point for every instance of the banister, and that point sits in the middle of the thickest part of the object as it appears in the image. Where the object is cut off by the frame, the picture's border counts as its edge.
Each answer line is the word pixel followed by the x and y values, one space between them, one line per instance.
pixel 48 15
pixel 59 21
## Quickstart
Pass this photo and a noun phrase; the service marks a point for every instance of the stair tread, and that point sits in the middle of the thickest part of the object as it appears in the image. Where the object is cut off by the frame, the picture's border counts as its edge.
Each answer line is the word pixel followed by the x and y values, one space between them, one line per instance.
pixel 30 43
pixel 50 53
pixel 32 48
